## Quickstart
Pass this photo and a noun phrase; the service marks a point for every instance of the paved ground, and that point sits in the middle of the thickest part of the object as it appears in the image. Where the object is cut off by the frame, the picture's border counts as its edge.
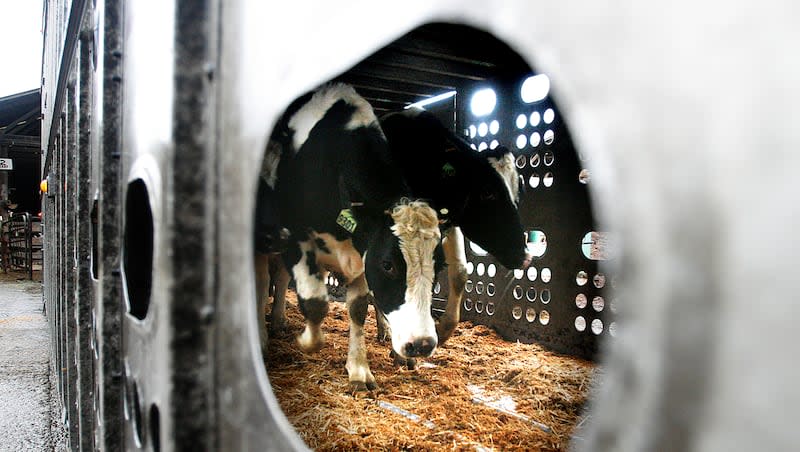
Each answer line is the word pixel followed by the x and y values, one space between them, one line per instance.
pixel 30 414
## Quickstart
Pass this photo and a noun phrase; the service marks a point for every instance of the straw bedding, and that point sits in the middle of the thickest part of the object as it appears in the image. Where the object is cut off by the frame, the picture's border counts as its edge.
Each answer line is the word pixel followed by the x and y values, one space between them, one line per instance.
pixel 477 392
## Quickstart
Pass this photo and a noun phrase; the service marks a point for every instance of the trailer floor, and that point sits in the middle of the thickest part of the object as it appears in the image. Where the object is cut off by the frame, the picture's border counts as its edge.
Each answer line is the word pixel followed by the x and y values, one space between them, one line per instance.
pixel 30 412
pixel 478 392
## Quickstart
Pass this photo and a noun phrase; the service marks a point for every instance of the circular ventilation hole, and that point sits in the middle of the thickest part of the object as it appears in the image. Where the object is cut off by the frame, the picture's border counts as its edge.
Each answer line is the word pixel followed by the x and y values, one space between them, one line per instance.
pixel 479 287
pixel 483 129
pixel 522 121
pixel 483 102
pixel 583 176
pixel 491 270
pixel 518 273
pixel 133 411
pixel 581 301
pixel 137 253
pixel 582 278
pixel 155 428
pixel 545 296
pixel 494 144
pixel 549 115
pixel 94 343
pixel 490 308
pixel 473 131
pixel 535 160
pixel 479 306
pixel 547 275
pixel 549 158
pixel 535 118
pixel 580 323
pixel 612 329
pixel 480 268
pixel 437 287
pixel 598 303
pixel 597 326
pixel 531 273
pixel 474 148
pixel 468 304
pixel 483 146
pixel 470 268
pixel 530 294
pixel 544 317
pixel 599 280
pixel 516 312
pixel 549 136
pixel 517 292
pixel 548 179
pixel 530 315
pixel 536 139
pixel 468 285
pixel 494 127
pixel 521 161
pixel 522 140
pixel 490 289
pixel 612 305
pixel 533 181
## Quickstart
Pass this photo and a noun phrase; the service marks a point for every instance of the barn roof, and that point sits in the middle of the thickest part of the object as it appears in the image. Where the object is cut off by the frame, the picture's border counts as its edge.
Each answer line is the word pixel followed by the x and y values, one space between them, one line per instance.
pixel 21 118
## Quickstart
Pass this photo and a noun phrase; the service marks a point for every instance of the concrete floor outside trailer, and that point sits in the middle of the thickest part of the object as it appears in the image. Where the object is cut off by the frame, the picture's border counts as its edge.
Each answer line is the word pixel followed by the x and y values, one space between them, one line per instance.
pixel 30 411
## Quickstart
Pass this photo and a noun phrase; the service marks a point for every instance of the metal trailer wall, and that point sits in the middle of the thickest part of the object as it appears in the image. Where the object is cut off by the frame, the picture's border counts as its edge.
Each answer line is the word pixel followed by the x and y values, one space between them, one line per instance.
pixel 684 108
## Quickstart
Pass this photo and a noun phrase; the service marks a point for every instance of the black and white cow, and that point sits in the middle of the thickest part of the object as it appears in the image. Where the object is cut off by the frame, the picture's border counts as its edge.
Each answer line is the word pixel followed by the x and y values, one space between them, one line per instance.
pixel 270 238
pixel 477 192
pixel 350 212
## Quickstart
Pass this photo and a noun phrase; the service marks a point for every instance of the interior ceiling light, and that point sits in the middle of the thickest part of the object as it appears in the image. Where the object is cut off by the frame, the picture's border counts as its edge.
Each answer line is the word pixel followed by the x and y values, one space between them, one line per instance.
pixel 431 100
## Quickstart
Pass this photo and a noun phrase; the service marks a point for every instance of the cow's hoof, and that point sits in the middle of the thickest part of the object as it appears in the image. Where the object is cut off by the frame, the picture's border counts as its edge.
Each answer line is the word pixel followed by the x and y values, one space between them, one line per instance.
pixel 310 345
pixel 383 337
pixel 399 361
pixel 278 329
pixel 444 329
pixel 361 386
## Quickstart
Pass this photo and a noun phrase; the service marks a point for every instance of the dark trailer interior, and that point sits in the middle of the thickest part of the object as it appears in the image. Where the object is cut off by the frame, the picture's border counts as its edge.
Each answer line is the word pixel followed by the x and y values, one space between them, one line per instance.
pixel 562 301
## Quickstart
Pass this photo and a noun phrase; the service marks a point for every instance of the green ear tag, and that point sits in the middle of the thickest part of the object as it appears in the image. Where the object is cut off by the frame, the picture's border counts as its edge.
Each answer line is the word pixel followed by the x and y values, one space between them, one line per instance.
pixel 448 170
pixel 346 220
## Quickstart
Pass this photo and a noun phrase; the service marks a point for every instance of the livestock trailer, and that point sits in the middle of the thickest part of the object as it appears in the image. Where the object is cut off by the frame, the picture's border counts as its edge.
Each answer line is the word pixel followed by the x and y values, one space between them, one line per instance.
pixel 636 133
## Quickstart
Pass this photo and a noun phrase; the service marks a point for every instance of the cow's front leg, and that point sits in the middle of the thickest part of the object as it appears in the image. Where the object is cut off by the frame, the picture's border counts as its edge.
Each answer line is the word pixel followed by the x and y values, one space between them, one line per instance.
pixel 261 268
pixel 456 259
pixel 312 296
pixel 280 278
pixel 358 371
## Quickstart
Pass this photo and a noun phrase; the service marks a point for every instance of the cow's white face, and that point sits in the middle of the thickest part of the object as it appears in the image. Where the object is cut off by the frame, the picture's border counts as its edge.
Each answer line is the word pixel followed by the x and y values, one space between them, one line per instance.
pixel 403 281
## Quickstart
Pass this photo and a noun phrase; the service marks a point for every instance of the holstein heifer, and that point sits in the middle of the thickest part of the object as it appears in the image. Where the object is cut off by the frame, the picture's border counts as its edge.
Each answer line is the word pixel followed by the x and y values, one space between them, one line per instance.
pixel 477 192
pixel 348 208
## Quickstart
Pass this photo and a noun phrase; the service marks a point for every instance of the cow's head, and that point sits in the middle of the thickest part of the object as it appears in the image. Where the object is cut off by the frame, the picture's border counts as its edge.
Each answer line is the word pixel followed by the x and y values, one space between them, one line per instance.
pixel 399 266
pixel 490 215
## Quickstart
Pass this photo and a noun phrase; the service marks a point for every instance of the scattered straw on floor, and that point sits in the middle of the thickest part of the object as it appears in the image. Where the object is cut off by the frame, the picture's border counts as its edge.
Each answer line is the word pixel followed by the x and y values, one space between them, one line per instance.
pixel 477 392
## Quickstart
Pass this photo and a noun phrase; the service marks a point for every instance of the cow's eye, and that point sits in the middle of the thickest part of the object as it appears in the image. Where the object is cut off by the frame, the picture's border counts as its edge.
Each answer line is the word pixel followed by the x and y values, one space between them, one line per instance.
pixel 487 195
pixel 388 267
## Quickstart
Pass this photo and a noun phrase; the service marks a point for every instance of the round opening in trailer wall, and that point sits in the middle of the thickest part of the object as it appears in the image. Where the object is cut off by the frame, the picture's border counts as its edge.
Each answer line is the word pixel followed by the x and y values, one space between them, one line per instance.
pixel 445 146
pixel 137 253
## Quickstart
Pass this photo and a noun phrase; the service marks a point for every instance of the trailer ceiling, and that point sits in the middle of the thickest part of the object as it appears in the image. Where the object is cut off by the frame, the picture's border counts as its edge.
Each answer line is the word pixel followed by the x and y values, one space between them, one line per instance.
pixel 429 61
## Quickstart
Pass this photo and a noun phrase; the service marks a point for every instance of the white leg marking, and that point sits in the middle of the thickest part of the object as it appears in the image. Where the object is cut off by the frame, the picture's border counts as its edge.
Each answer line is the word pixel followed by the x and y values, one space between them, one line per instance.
pixel 357 365
pixel 308 285
pixel 456 259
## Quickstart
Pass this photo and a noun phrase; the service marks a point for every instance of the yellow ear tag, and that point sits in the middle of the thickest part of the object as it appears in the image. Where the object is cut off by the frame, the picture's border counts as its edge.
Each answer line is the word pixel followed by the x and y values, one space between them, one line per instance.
pixel 346 220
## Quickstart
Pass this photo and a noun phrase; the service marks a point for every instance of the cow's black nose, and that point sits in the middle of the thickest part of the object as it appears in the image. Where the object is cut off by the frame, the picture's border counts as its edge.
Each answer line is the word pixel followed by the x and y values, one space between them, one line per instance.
pixel 419 347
